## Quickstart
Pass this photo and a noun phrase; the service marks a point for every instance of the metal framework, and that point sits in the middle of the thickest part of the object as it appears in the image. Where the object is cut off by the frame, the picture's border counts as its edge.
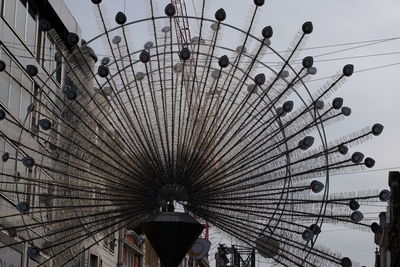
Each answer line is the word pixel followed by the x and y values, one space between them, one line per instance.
pixel 236 142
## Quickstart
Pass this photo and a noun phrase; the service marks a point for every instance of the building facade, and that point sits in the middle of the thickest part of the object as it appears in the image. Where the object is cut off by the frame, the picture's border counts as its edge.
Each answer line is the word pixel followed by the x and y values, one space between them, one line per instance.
pixel 387 234
pixel 24 40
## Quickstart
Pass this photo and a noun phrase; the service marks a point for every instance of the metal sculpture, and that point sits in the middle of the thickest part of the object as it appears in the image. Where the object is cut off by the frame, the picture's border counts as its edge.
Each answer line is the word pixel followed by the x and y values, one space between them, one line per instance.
pixel 202 124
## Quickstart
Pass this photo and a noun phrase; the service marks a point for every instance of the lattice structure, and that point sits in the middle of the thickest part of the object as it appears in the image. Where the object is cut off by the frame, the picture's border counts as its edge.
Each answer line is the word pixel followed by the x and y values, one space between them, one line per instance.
pixel 124 138
pixel 182 26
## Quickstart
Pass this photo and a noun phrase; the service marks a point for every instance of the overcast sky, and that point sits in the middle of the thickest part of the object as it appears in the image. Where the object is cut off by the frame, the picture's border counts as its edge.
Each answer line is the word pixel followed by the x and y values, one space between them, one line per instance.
pixel 373 95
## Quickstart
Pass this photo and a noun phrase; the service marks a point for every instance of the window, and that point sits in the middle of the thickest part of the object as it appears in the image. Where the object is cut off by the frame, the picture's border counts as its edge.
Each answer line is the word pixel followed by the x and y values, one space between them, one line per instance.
pixel 112 244
pixel 137 261
pixel 52 58
pixel 2 150
pixel 15 90
pixel 93 260
pixel 105 243
pixel 5 80
pixel 20 19
pixel 26 98
pixel 12 95
pixel 8 182
pixel 22 16
pixel 41 196
pixel 109 244
pixel 31 27
pixel 129 260
pixel 9 11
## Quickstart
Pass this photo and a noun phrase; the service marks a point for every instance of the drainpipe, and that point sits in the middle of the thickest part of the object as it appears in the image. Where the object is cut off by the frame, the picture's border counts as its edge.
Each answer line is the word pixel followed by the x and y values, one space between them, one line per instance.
pixel 120 247
pixel 24 255
pixel 141 246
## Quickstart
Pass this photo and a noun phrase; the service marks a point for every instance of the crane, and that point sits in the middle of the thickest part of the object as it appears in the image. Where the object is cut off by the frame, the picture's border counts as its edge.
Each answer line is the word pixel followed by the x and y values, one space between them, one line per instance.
pixel 181 23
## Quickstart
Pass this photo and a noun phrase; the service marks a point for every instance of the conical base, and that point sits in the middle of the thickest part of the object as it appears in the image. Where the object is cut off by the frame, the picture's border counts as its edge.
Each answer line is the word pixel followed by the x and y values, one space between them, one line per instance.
pixel 172 234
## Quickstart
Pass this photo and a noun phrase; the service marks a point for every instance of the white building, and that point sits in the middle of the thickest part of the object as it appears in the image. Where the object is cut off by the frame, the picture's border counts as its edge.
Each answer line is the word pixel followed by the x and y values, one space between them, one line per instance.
pixel 23 42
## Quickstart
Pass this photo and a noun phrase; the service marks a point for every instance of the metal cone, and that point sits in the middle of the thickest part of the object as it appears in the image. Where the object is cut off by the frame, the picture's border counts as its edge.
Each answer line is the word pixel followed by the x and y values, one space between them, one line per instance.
pixel 172 234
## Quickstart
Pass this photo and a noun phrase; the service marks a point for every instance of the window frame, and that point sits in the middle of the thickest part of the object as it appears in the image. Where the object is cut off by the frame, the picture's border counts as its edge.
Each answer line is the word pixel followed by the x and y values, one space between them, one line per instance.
pixel 46 38
pixel 13 27
pixel 15 62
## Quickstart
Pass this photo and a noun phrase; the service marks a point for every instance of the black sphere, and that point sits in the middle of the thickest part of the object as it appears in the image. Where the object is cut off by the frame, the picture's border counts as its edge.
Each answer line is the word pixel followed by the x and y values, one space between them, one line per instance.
pixel 369 162
pixel 377 129
pixel 356 216
pixel 2 114
pixel 2 66
pixel 96 2
pixel 337 103
pixel 384 195
pixel 267 32
pixel 28 162
pixel 375 227
pixel 288 106
pixel 259 2
pixel 144 57
pixel 357 157
pixel 103 71
pixel 105 61
pixel 73 39
pixel 32 70
pixel 33 252
pixel 44 25
pixel 346 262
pixel 170 10
pixel 185 54
pixel 346 111
pixel 306 142
pixel 45 124
pixel 23 207
pixel 354 205
pixel 259 79
pixel 317 186
pixel 5 156
pixel 319 104
pixel 307 27
pixel 348 70
pixel 223 61
pixel 308 62
pixel 120 18
pixel 220 15
pixel 343 149
pixel 307 235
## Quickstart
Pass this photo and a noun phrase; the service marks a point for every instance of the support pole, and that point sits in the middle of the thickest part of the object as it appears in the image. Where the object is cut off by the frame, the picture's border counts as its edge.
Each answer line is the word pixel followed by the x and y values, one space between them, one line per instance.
pixel 120 247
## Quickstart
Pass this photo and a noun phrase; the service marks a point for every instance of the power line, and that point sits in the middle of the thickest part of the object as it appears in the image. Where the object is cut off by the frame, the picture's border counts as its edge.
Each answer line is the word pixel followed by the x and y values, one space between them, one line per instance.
pixel 366 42
pixel 359 71
pixel 351 43
pixel 356 47
pixel 376 170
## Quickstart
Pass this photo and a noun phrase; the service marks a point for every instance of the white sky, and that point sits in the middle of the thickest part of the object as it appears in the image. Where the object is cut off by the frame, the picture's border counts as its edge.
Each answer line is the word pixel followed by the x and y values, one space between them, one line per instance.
pixel 373 95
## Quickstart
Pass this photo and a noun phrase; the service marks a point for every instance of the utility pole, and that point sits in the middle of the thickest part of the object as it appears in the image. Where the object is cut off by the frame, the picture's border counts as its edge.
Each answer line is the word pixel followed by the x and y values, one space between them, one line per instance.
pixel 394 232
